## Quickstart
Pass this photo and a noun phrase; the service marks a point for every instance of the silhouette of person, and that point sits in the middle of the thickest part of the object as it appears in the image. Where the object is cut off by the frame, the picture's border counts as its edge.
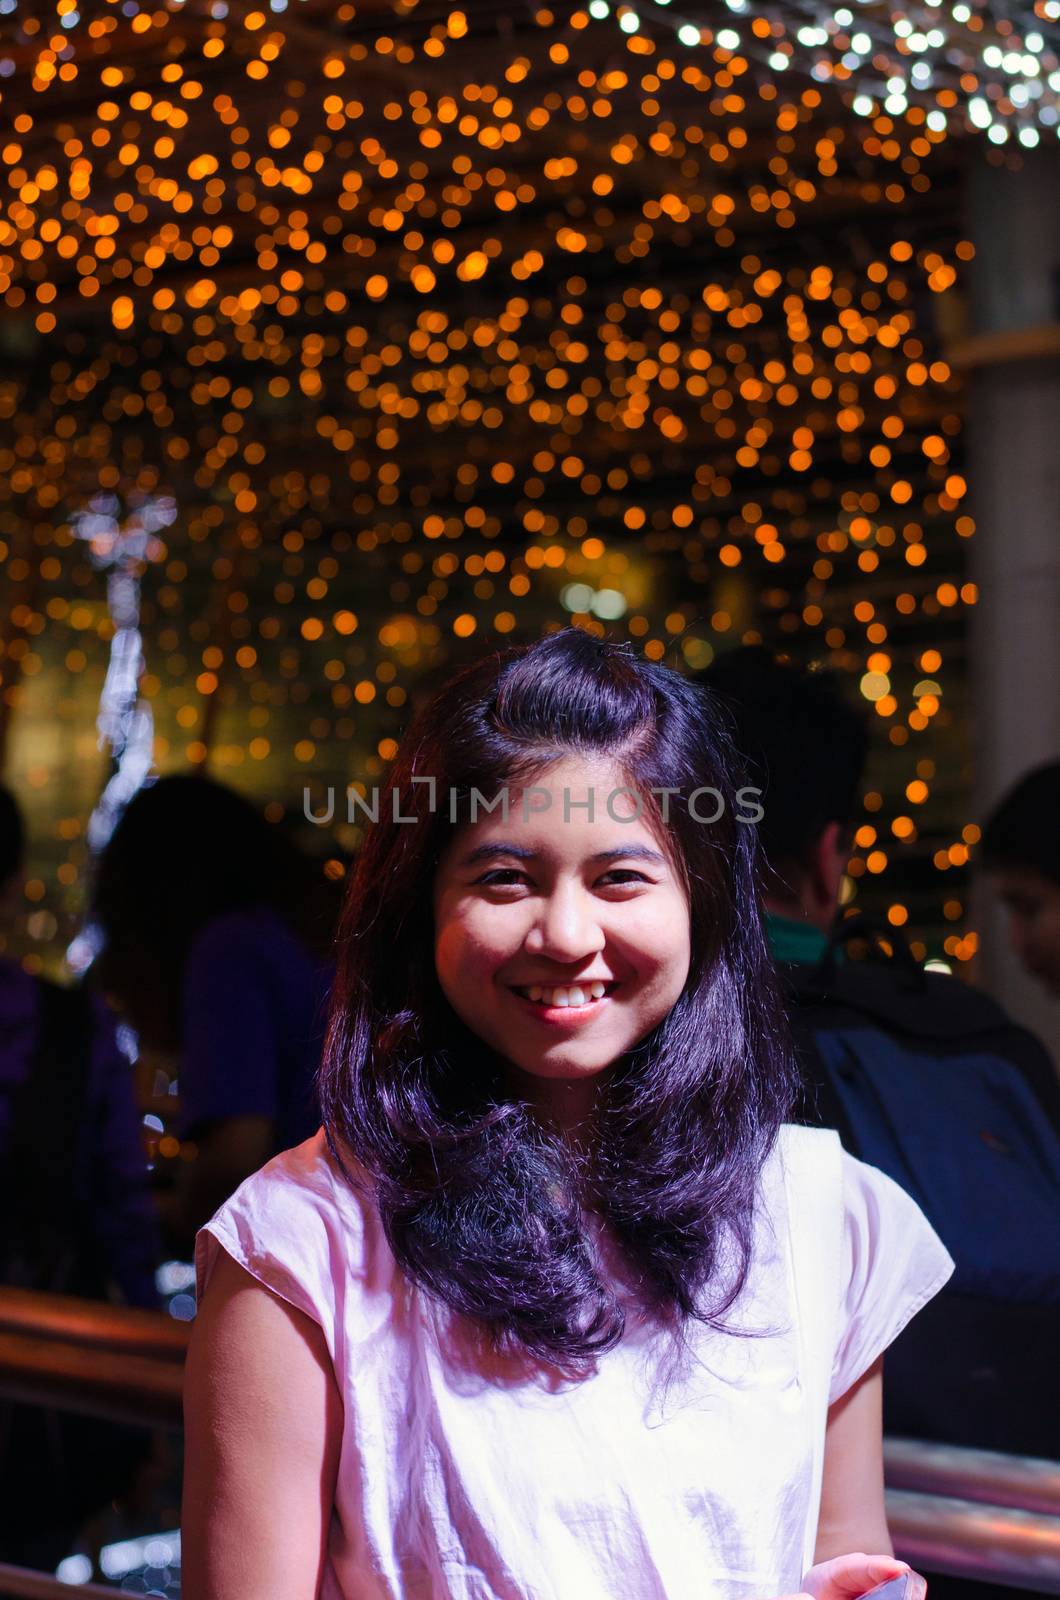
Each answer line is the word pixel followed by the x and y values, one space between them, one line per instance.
pixel 76 1217
pixel 806 745
pixel 216 943
pixel 1021 853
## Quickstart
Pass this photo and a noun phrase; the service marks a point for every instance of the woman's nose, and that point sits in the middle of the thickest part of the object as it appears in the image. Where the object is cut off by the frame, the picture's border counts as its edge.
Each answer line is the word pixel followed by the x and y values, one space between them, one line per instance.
pixel 566 928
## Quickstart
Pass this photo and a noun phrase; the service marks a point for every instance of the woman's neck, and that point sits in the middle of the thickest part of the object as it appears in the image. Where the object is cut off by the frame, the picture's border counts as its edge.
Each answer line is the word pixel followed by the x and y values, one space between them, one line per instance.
pixel 566 1104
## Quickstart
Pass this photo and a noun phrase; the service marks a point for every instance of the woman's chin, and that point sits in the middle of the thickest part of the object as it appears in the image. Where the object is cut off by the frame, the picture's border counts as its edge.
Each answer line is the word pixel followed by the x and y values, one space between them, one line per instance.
pixel 562 1066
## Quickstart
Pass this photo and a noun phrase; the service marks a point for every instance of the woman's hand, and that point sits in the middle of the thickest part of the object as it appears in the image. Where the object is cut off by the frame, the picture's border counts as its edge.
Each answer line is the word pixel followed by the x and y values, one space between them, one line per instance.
pixel 847 1577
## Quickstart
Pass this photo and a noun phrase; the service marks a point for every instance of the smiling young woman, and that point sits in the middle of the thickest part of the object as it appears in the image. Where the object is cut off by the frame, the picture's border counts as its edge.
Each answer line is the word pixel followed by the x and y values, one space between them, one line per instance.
pixel 556 1304
pixel 561 943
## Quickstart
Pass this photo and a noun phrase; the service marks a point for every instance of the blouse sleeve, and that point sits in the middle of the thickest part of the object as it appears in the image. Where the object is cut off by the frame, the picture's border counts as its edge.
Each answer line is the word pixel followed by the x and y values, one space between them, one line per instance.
pixel 893 1263
pixel 283 1226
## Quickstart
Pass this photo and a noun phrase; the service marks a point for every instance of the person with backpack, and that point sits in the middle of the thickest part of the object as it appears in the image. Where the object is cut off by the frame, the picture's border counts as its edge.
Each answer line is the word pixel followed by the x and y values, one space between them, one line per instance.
pixel 76 1218
pixel 924 1077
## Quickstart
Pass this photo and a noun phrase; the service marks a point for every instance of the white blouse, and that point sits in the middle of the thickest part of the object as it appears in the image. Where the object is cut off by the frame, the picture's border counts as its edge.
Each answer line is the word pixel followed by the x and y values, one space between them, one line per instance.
pixel 677 1470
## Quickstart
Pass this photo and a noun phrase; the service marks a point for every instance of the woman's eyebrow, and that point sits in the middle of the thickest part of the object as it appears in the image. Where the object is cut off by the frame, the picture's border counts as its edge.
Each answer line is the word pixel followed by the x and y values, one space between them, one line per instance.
pixel 630 852
pixel 487 852
pixel 519 852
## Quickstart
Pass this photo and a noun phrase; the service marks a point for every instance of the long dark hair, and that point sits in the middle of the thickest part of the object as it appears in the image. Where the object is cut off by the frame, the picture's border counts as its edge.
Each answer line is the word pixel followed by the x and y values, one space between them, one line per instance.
pixel 482 1206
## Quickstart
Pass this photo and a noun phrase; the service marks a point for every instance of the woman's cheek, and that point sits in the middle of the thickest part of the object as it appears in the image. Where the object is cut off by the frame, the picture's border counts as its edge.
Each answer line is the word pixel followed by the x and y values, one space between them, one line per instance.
pixel 477 946
pixel 450 955
pixel 486 937
pixel 660 942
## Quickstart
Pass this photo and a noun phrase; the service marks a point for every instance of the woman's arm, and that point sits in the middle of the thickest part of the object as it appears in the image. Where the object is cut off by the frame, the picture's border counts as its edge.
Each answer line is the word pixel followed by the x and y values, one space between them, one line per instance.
pixel 852 1506
pixel 263 1424
pixel 853 1551
pixel 852 1519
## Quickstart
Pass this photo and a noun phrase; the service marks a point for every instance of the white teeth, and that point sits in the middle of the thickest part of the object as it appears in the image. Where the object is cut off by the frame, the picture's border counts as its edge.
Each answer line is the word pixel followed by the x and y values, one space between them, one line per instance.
pixel 573 995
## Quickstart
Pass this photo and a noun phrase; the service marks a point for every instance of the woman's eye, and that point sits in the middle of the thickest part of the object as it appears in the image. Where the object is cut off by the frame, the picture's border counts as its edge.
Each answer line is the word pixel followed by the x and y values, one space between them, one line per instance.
pixel 512 877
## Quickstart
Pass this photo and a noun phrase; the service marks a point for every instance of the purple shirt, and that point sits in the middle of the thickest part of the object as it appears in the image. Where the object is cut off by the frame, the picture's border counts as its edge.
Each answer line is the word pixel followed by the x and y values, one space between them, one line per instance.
pixel 254 1011
pixel 110 1173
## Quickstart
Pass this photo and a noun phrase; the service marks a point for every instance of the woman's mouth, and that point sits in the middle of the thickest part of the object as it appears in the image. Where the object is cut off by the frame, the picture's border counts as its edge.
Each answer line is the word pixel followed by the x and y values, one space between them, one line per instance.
pixel 566 996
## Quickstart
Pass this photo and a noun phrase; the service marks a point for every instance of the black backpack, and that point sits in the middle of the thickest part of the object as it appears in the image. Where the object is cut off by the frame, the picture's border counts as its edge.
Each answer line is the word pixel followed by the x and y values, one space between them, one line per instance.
pixel 930 1081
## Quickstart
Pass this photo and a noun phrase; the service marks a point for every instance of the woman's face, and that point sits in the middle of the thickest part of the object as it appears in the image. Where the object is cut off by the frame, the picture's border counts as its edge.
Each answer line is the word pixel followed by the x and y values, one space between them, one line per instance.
pixel 561 939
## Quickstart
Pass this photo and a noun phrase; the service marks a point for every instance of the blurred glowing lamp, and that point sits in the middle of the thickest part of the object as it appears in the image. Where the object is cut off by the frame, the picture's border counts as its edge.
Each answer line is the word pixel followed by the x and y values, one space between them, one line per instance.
pixel 609 604
pixel 576 596
pixel 874 685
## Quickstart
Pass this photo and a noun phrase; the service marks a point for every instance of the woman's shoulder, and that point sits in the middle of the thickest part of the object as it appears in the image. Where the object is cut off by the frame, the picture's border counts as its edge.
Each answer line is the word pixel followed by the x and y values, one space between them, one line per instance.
pixel 311 1186
pixel 799 1142
pixel 800 1199
pixel 302 1227
pixel 817 1171
pixel 832 1202
pixel 815 1158
pixel 803 1159
pixel 860 1238
pixel 308 1178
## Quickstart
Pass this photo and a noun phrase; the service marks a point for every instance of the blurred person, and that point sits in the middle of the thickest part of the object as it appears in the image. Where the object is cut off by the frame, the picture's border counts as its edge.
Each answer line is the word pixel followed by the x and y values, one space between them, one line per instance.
pixel 76 1218
pixel 1021 853
pixel 216 947
pixel 806 748
pixel 922 1076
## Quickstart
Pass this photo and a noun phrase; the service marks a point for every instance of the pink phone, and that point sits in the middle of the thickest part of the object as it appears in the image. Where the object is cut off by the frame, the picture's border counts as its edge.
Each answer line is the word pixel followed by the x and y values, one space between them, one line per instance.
pixel 907 1586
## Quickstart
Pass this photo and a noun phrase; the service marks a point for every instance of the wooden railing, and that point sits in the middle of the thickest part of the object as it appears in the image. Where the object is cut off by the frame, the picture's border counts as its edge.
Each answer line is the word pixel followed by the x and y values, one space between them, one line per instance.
pixel 19 1583
pixel 85 1322
pixel 970 1513
pixel 101 1360
pixel 980 1475
pixel 971 1539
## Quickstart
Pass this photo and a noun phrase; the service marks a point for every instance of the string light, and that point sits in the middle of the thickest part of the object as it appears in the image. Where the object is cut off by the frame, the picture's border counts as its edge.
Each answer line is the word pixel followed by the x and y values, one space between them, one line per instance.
pixel 432 331
pixel 987 67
